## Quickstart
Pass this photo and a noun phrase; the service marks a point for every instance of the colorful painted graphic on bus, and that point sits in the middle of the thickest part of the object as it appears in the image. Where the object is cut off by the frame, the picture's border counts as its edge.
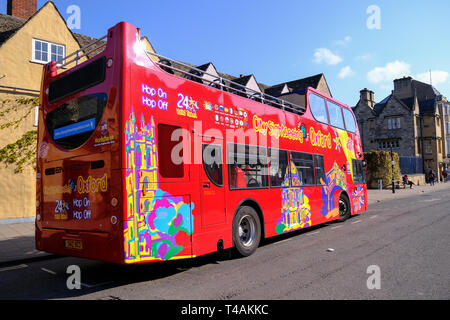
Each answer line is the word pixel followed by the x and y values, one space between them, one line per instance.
pixel 295 210
pixel 331 189
pixel 154 217
pixel 358 199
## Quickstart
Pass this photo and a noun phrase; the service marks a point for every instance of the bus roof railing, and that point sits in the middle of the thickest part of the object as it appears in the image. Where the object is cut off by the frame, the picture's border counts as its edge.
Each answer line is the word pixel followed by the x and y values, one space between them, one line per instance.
pixel 223 83
pixel 194 74
pixel 81 53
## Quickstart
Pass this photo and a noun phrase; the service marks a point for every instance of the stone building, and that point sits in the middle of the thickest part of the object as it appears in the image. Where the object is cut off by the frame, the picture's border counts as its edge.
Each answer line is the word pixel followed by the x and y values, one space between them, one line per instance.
pixel 411 120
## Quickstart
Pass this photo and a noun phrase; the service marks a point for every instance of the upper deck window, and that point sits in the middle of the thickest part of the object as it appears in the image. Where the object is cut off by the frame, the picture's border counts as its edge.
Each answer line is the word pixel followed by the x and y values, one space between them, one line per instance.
pixel 350 123
pixel 318 108
pixel 335 112
pixel 72 123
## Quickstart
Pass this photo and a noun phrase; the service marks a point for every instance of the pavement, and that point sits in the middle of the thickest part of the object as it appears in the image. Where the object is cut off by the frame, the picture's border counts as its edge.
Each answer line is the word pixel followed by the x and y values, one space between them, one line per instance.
pixel 17 239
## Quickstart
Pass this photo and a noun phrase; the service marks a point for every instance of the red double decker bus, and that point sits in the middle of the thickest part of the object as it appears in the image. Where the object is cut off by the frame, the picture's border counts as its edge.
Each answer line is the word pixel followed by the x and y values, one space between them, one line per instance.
pixel 144 159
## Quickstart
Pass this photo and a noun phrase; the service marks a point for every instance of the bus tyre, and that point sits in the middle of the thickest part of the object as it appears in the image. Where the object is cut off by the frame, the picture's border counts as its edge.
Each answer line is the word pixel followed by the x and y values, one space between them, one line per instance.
pixel 246 231
pixel 344 207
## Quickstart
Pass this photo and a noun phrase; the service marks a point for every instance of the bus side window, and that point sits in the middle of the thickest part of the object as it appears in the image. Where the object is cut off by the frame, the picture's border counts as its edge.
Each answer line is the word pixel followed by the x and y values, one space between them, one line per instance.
pixel 169 166
pixel 335 112
pixel 358 172
pixel 304 166
pixel 212 163
pixel 247 166
pixel 320 170
pixel 279 168
pixel 318 109
pixel 349 120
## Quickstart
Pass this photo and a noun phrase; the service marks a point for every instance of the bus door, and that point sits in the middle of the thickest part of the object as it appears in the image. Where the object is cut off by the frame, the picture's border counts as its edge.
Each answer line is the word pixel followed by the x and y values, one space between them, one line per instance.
pixel 212 181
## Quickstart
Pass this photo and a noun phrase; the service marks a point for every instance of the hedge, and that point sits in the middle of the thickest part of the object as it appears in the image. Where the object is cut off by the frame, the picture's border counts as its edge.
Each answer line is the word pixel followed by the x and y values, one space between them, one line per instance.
pixel 379 166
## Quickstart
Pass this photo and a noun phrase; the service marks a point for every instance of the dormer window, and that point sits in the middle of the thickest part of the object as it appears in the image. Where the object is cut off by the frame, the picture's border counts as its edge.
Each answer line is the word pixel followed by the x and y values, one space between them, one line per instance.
pixel 44 51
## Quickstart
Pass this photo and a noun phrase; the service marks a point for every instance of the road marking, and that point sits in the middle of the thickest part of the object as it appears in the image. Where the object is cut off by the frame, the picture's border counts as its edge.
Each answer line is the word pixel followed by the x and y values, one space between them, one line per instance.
pixel 431 200
pixel 355 222
pixel 373 217
pixel 312 233
pixel 336 227
pixel 49 271
pixel 18 267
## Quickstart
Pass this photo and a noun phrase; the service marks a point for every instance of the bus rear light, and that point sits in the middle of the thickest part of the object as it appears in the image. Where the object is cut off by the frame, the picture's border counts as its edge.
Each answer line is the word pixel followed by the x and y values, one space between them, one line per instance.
pixel 38 217
pixel 114 202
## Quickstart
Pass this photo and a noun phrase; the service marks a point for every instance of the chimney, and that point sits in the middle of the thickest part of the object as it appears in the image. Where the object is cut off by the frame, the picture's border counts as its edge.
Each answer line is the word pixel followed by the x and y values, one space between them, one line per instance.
pixel 22 8
pixel 403 87
pixel 367 97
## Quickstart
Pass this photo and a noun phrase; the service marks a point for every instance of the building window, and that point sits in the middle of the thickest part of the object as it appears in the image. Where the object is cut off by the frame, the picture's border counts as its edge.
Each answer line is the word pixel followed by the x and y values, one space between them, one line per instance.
pixel 394 123
pixel 427 147
pixel 387 144
pixel 44 52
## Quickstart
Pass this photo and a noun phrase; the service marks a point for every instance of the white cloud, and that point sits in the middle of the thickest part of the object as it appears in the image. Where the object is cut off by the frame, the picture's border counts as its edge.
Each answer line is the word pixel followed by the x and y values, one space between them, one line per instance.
pixel 389 72
pixel 324 55
pixel 346 72
pixel 437 77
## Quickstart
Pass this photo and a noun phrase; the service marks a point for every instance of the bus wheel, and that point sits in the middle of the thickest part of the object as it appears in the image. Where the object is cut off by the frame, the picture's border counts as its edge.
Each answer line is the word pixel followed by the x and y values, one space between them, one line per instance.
pixel 344 207
pixel 246 231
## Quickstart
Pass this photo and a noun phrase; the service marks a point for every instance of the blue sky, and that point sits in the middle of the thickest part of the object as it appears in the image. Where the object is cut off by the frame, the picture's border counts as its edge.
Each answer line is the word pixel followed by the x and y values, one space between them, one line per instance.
pixel 284 40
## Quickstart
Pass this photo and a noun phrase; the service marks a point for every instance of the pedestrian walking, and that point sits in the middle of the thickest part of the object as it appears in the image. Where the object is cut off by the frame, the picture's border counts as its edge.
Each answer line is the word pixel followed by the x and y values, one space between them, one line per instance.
pixel 444 175
pixel 431 178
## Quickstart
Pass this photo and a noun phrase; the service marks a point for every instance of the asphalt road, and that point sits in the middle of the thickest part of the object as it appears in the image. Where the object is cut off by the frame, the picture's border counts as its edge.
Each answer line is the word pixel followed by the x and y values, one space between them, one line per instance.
pixel 396 250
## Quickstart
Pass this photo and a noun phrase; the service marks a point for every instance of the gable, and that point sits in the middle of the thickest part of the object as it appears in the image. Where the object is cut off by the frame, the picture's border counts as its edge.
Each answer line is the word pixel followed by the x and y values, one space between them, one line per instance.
pixel 17 52
pixel 363 111
pixel 394 107
pixel 252 84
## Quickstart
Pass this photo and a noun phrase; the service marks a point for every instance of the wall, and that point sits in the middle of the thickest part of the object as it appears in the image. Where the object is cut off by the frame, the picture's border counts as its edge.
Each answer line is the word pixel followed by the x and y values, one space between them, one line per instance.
pixel 18 189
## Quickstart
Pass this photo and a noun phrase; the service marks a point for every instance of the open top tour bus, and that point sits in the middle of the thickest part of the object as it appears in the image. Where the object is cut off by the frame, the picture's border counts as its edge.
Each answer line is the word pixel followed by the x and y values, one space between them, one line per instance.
pixel 143 159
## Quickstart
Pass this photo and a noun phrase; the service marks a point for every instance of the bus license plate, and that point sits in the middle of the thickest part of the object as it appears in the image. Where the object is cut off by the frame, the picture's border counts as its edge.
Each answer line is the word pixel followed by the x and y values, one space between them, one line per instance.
pixel 73 244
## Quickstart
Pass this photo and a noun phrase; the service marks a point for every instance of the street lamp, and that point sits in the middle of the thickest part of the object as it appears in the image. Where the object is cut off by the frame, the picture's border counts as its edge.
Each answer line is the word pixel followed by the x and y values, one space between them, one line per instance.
pixel 392 162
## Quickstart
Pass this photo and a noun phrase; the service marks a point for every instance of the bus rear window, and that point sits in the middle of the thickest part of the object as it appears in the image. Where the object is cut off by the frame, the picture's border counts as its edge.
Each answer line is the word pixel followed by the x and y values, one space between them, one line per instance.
pixel 72 123
pixel 79 80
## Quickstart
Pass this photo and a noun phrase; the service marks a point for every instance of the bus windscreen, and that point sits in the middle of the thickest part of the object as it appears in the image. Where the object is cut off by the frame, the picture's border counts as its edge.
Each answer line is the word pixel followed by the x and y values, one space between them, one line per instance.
pixel 72 123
